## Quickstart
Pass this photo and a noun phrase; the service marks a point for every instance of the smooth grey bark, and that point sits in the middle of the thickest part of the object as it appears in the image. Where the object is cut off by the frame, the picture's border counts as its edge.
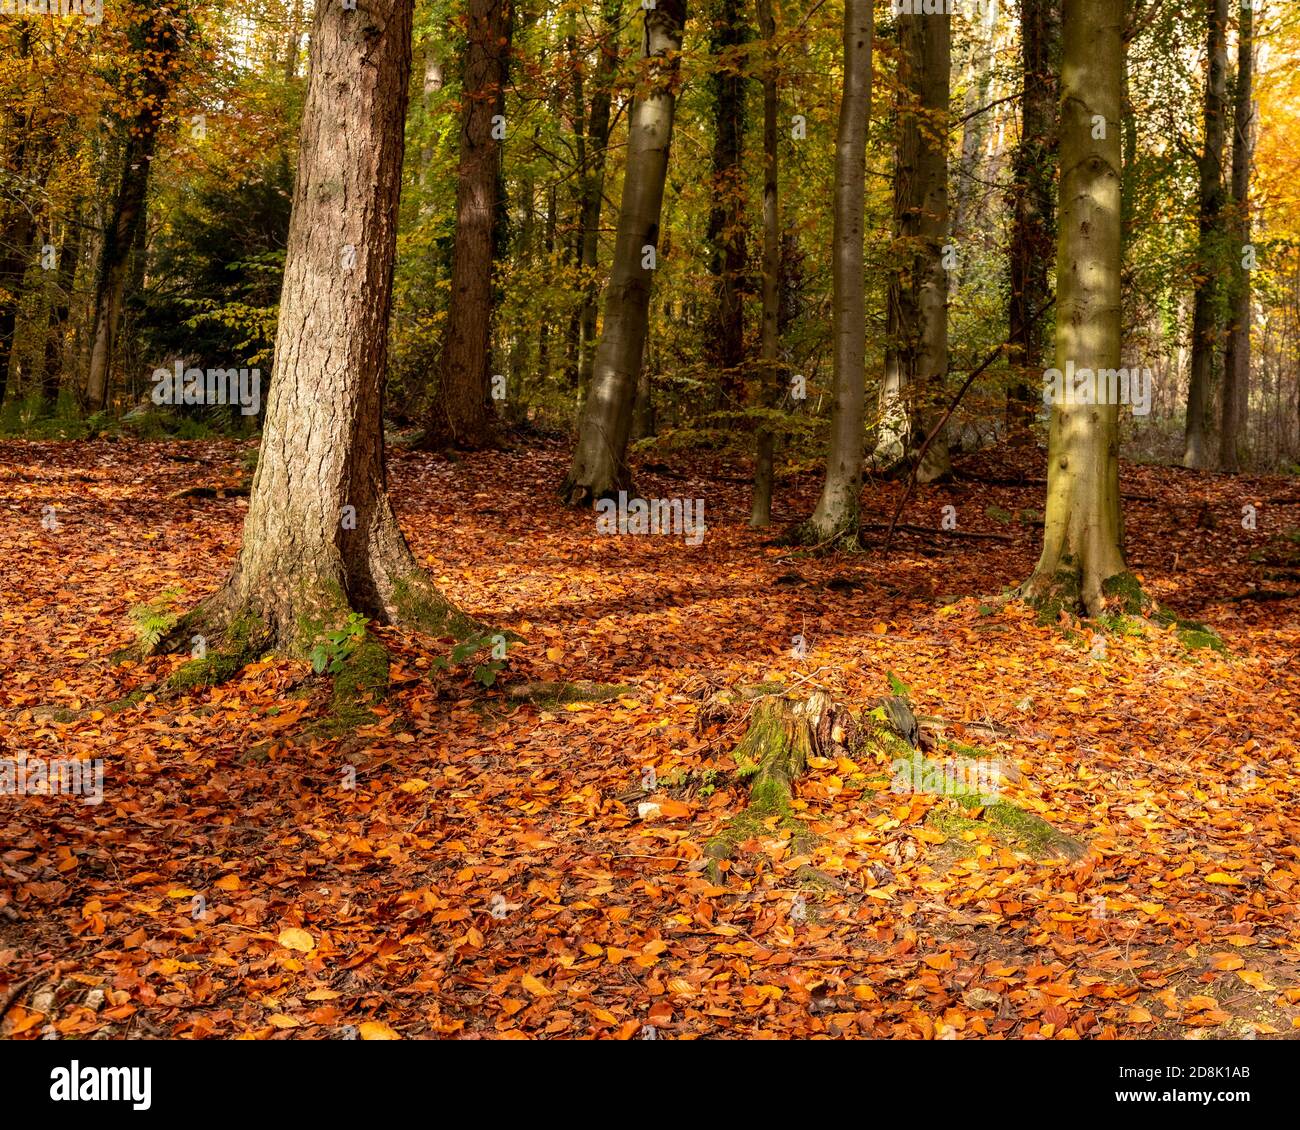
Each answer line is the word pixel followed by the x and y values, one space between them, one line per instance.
pixel 836 515
pixel 320 538
pixel 770 339
pixel 1205 321
pixel 1235 399
pixel 1081 535
pixel 599 466
pixel 916 354
pixel 591 140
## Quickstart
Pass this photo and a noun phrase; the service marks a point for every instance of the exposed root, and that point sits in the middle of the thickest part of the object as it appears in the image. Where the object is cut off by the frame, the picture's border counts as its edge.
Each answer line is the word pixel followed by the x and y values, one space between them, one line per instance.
pixel 560 692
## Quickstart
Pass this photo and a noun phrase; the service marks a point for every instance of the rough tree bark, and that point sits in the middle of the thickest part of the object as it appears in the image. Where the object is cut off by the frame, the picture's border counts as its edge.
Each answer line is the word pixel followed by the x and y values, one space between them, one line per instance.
pixel 1236 360
pixel 599 466
pixel 1033 205
pixel 1082 562
pixel 1205 320
pixel 461 412
pixel 769 342
pixel 836 515
pixel 320 539
pixel 158 39
pixel 916 355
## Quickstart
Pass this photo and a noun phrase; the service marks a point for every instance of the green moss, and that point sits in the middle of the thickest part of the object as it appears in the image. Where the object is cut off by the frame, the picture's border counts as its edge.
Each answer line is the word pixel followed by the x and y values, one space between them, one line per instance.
pixel 1010 824
pixel 1126 589
pixel 1063 596
pixel 215 667
pixel 361 683
pixel 1195 639
pixel 420 605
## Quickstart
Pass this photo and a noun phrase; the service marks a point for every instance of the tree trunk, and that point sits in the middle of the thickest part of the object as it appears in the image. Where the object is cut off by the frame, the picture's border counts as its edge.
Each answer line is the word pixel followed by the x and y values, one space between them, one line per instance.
pixel 769 347
pixel 836 514
pixel 1033 205
pixel 1236 361
pixel 161 34
pixel 1205 321
pixel 599 465
pixel 1081 555
pixel 15 220
pixel 916 356
pixel 726 234
pixel 461 413
pixel 320 538
pixel 56 347
pixel 592 141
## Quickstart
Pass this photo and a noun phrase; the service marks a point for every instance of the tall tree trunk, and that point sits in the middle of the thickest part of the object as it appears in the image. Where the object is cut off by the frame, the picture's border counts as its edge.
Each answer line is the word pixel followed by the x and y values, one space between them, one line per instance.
pixel 1081 555
pixel 292 42
pixel 726 235
pixel 599 465
pixel 56 346
pixel 770 340
pixel 1033 204
pixel 916 355
pixel 15 259
pixel 160 37
pixel 431 87
pixel 1236 361
pixel 461 412
pixel 836 514
pixel 15 219
pixel 320 538
pixel 1205 320
pixel 592 142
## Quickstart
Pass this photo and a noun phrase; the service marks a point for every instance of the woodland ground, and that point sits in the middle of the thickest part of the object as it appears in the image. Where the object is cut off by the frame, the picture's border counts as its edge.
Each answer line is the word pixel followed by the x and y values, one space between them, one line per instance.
pixel 489 874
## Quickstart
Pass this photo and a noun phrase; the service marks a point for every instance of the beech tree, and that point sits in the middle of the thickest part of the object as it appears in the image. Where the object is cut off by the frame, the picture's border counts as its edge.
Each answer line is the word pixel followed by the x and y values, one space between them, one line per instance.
pixel 1236 359
pixel 320 539
pixel 599 466
pixel 157 38
pixel 1033 204
pixel 916 352
pixel 726 232
pixel 836 515
pixel 1205 315
pixel 769 341
pixel 1082 561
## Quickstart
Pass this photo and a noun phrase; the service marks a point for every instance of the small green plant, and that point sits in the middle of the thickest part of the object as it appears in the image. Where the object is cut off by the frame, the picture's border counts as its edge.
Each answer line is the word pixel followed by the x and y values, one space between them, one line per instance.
pixel 485 673
pixel 897 686
pixel 155 618
pixel 332 651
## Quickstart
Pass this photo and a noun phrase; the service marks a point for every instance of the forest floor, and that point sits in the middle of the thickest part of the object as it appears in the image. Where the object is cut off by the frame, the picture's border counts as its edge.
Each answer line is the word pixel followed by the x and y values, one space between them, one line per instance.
pixel 491 874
